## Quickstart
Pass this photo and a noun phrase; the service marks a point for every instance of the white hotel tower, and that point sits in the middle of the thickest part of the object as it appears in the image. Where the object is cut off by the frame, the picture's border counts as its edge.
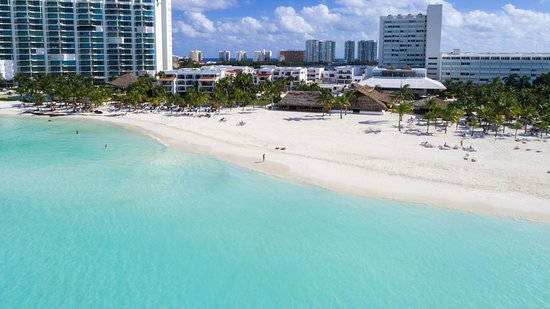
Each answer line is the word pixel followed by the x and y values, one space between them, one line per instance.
pixel 412 41
pixel 98 38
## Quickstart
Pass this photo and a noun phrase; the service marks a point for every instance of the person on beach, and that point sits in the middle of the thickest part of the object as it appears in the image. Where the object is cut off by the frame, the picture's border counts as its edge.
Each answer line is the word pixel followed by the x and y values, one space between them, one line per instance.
pixel 263 157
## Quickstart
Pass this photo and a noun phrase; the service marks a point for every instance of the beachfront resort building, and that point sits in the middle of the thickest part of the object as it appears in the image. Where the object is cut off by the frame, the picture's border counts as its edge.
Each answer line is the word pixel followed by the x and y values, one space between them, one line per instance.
pixel 182 80
pixel 320 51
pixel 349 51
pixel 273 73
pixel 366 51
pixel 483 67
pixel 392 79
pixel 97 38
pixel 412 41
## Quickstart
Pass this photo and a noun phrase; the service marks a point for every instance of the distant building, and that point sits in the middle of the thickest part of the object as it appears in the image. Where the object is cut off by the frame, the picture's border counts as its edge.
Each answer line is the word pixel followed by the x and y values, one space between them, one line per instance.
pixel 224 55
pixel 412 40
pixel 261 55
pixel 483 67
pixel 291 56
pixel 366 51
pixel 320 51
pixel 195 56
pixel 349 51
pixel 241 56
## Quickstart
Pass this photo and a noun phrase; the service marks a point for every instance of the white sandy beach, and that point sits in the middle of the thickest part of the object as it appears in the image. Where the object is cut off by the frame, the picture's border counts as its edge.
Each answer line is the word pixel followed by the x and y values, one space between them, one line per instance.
pixel 337 154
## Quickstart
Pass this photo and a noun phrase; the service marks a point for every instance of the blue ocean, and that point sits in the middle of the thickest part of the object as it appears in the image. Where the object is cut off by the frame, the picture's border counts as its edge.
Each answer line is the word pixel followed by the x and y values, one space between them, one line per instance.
pixel 138 225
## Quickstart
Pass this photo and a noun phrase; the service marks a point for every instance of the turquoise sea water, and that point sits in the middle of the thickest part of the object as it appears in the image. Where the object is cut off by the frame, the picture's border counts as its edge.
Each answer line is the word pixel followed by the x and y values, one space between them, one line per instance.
pixel 140 225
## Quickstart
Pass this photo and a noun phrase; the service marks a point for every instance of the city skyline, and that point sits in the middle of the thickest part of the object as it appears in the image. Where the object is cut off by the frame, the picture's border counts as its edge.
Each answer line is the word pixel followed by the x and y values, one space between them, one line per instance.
pixel 284 25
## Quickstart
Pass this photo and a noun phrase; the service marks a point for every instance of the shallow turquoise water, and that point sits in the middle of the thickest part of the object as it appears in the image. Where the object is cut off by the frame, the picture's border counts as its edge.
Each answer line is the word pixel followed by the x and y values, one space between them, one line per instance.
pixel 139 225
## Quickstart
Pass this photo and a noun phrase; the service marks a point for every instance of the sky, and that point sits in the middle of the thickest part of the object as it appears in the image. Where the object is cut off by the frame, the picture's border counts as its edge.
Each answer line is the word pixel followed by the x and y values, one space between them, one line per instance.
pixel 470 25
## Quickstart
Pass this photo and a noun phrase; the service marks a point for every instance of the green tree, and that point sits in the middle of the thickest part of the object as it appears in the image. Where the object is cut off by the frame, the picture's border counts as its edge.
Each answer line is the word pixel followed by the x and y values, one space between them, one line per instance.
pixel 326 99
pixel 402 109
pixel 433 111
pixel 404 94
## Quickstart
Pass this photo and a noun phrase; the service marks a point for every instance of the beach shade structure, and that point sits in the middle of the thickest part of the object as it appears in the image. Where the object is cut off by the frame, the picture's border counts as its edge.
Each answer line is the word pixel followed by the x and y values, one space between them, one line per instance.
pixel 420 105
pixel 368 99
pixel 306 101
pixel 124 81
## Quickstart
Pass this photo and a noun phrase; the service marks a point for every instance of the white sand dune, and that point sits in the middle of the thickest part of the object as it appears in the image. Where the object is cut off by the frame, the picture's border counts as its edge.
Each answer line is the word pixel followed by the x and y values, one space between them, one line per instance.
pixel 341 155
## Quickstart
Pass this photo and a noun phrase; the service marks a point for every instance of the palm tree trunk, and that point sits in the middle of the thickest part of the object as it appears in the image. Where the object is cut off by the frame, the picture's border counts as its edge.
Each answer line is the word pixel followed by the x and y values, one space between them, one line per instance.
pixel 340 113
pixel 428 126
pixel 399 124
pixel 516 137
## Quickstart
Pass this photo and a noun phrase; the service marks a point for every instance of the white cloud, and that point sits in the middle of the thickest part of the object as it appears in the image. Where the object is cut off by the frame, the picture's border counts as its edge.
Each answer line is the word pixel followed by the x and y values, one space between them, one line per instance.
pixel 290 21
pixel 508 28
pixel 320 14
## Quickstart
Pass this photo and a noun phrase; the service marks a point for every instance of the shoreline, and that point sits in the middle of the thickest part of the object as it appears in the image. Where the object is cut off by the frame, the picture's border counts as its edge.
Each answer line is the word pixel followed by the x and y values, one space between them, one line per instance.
pixel 393 169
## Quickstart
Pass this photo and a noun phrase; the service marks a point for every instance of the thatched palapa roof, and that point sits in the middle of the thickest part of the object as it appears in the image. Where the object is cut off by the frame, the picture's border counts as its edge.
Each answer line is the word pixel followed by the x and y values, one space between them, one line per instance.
pixel 301 100
pixel 124 81
pixel 369 99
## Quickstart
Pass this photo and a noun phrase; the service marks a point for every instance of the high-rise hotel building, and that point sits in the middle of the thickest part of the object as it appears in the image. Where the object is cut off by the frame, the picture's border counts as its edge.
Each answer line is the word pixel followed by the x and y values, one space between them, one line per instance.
pixel 98 38
pixel 412 40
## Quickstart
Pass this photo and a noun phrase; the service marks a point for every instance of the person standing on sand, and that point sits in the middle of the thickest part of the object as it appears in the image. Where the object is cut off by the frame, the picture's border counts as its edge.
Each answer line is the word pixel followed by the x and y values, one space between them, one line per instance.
pixel 263 157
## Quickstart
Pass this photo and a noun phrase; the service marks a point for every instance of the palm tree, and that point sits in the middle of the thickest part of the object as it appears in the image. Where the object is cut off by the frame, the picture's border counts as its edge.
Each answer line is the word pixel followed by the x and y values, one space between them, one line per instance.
pixel 174 100
pixel 433 111
pixel 473 124
pixel 325 98
pixel 516 125
pixel 220 97
pixel 403 94
pixel 343 101
pixel 511 80
pixel 402 109
pixel 498 120
pixel 23 83
pixel 98 96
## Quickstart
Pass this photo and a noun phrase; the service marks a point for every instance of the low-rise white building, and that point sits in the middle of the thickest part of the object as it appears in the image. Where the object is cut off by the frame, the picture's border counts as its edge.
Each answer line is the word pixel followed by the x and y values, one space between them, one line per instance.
pixel 273 73
pixel 182 80
pixel 315 75
pixel 483 67
pixel 329 77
